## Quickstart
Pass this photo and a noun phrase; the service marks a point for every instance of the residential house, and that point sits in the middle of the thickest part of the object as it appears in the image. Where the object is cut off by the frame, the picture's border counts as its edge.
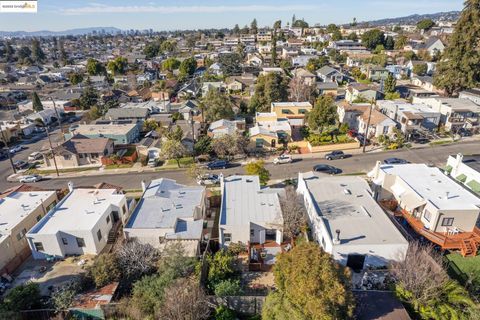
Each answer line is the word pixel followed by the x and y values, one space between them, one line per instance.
pixel 433 45
pixel 21 208
pixel 243 83
pixel 293 111
pixel 264 36
pixel 348 223
pixel 349 112
pixel 248 213
pixel 398 71
pixel 466 170
pixel 270 121
pixel 120 133
pixel 471 94
pixel 410 116
pixel 169 212
pixel 223 126
pixel 329 74
pixel 81 223
pixel 79 151
pixel 378 124
pixel 47 104
pixel 375 73
pixel 306 76
pixel 266 70
pixel 136 115
pixel 348 46
pixel 327 88
pixel 301 60
pixel 289 52
pixel 434 205
pixel 47 116
pixel 424 82
pixel 207 86
pixel 262 138
pixel 359 91
pixel 456 112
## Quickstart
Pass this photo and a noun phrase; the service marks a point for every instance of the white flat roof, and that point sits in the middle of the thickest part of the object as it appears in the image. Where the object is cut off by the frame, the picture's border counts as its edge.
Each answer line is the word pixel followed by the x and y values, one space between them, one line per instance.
pixel 346 204
pixel 434 186
pixel 292 104
pixel 80 210
pixel 88 129
pixel 16 206
pixel 243 202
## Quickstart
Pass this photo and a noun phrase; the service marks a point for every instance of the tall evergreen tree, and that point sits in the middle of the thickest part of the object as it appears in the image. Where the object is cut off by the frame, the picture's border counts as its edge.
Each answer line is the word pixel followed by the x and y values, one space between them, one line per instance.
pixel 390 84
pixel 38 55
pixel 36 103
pixel 254 27
pixel 236 30
pixel 459 67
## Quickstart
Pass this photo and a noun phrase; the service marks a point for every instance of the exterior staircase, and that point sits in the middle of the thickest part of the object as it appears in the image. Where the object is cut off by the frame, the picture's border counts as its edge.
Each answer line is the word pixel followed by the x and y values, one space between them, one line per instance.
pixel 469 248
pixel 112 235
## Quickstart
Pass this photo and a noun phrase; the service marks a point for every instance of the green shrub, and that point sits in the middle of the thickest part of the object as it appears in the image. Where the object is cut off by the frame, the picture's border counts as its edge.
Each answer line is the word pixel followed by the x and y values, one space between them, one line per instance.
pixel 227 288
pixel 224 313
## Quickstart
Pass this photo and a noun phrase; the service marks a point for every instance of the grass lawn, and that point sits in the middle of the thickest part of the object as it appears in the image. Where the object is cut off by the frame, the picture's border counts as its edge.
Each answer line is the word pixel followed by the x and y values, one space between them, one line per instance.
pixel 119 166
pixel 437 143
pixel 184 162
pixel 37 171
pixel 326 139
pixel 468 265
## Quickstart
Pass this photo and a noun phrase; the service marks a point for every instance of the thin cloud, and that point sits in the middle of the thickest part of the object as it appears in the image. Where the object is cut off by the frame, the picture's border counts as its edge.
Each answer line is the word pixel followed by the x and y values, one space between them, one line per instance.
pixel 99 9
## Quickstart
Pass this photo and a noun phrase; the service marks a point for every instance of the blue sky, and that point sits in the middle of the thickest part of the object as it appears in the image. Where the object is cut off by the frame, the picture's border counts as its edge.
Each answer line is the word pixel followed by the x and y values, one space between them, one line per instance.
pixel 190 14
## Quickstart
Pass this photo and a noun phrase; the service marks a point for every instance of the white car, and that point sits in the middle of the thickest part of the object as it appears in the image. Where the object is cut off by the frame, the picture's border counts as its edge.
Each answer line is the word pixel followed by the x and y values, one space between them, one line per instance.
pixel 34 156
pixel 16 149
pixel 282 159
pixel 30 179
pixel 208 179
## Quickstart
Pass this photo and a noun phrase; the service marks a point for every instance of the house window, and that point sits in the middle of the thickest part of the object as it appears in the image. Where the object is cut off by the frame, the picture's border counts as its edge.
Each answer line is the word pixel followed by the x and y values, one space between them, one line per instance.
pixel 67 157
pixel 38 246
pixel 94 155
pixel 427 215
pixel 227 237
pixel 39 217
pixel 21 234
pixel 286 111
pixel 302 111
pixel 252 232
pixel 81 156
pixel 447 222
pixel 99 235
pixel 80 242
pixel 64 241
pixel 108 219
pixel 385 130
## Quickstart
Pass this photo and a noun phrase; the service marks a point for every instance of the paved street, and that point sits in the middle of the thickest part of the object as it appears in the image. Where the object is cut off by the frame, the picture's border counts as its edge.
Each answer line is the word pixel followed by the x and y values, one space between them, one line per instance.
pixel 358 163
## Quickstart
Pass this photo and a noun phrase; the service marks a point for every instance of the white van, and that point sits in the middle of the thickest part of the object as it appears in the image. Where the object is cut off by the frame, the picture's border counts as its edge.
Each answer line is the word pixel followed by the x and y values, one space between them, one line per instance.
pixel 34 156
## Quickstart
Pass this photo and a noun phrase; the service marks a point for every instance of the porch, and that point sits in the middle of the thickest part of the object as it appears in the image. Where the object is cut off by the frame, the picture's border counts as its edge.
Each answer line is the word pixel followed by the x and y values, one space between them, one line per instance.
pixel 467 243
pixel 262 257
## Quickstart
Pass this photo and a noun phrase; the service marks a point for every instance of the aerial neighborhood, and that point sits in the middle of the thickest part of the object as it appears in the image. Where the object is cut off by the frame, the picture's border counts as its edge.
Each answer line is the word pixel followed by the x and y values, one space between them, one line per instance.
pixel 294 170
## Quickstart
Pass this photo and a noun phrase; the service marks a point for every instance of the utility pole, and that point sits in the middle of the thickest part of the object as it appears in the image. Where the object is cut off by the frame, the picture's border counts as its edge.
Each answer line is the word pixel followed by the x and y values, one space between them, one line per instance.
pixel 51 150
pixel 368 125
pixel 58 117
pixel 8 150
pixel 193 133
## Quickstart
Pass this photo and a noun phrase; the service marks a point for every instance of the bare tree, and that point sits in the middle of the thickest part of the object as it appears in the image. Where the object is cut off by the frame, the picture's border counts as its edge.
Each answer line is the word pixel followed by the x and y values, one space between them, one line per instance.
pixel 294 213
pixel 184 300
pixel 137 259
pixel 420 273
pixel 228 145
pixel 299 90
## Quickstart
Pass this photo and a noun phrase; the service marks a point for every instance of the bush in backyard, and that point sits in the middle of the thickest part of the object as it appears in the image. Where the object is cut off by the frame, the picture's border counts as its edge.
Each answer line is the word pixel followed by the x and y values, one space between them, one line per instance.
pixel 224 313
pixel 63 297
pixel 227 288
pixel 104 270
pixel 24 297
pixel 147 293
pixel 221 267
pixel 237 248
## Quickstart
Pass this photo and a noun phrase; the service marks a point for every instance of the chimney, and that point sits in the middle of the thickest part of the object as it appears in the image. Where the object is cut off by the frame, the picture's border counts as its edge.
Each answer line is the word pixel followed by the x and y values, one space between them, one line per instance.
pixel 70 186
pixel 337 239
pixel 458 162
pixel 144 186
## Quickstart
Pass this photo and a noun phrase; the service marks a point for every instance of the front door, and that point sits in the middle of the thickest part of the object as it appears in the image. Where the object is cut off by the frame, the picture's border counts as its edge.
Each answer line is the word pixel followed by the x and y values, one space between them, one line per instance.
pixel 115 216
pixel 261 236
pixel 356 261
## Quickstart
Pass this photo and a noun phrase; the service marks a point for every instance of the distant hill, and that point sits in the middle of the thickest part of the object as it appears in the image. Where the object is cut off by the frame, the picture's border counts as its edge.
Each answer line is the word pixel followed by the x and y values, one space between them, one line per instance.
pixel 414 18
pixel 70 32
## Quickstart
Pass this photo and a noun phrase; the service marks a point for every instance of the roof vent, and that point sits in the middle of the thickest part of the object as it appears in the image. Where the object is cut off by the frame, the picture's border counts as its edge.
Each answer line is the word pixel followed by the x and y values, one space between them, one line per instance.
pixel 249 180
pixel 347 191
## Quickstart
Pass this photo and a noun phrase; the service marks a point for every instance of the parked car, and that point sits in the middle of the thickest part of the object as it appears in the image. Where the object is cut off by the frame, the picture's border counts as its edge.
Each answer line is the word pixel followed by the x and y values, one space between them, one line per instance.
pixel 334 155
pixel 464 132
pixel 152 162
pixel 217 164
pixel 361 138
pixel 208 179
pixel 284 158
pixel 30 178
pixel 325 168
pixel 395 161
pixel 34 156
pixel 20 164
pixel 16 149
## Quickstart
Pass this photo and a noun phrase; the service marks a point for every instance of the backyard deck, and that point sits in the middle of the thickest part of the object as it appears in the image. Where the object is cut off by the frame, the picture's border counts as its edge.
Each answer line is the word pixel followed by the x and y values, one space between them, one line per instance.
pixel 467 243
pixel 265 255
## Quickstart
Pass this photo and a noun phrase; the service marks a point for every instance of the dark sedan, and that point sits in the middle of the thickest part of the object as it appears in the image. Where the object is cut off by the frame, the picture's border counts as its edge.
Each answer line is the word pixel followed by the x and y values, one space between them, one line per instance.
pixel 218 164
pixel 395 161
pixel 325 168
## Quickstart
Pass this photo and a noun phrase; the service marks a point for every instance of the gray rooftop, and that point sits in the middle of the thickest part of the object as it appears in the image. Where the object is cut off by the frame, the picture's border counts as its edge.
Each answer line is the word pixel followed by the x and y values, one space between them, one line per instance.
pixel 168 205
pixel 346 204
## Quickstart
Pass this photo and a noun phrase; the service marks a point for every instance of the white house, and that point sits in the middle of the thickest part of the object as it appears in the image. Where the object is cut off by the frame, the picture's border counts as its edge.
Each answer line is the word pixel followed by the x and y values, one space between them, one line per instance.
pixel 466 170
pixel 168 211
pixel 379 124
pixel 249 214
pixel 20 209
pixel 348 223
pixel 79 224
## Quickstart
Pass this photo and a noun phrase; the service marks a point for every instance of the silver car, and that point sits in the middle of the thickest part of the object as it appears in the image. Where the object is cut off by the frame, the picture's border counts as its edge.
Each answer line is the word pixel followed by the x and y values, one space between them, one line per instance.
pixel 30 178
